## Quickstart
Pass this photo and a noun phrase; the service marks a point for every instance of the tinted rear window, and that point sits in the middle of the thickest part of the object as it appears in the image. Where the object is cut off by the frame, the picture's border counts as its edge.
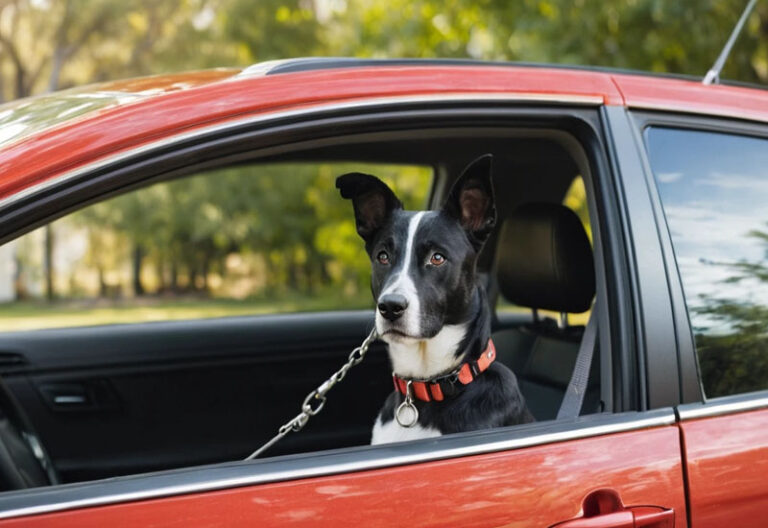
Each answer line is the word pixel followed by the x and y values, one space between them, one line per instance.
pixel 714 190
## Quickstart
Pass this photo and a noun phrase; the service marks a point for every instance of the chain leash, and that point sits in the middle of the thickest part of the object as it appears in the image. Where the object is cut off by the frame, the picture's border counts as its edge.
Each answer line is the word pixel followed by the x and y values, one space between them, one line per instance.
pixel 315 400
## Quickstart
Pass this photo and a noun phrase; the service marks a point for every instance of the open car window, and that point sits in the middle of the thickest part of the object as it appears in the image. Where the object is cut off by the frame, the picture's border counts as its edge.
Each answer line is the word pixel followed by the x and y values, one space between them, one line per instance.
pixel 246 240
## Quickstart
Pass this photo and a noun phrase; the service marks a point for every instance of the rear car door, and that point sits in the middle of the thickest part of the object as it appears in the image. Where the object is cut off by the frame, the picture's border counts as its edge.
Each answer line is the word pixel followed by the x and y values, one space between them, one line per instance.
pixel 711 178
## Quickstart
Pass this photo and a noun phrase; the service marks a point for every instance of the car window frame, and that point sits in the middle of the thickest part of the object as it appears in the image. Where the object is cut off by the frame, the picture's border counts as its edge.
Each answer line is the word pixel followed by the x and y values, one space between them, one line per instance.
pixel 173 157
pixel 72 191
pixel 668 375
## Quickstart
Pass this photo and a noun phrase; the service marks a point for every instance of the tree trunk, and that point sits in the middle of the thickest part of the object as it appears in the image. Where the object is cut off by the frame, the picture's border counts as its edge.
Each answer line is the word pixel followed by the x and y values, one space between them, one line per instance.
pixel 293 273
pixel 192 279
pixel 102 283
pixel 205 272
pixel 161 284
pixel 309 276
pixel 138 255
pixel 48 263
pixel 57 63
pixel 20 292
pixel 174 277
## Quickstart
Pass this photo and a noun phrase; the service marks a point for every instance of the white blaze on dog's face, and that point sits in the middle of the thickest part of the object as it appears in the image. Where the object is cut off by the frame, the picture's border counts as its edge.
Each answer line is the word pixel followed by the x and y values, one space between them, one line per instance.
pixel 423 263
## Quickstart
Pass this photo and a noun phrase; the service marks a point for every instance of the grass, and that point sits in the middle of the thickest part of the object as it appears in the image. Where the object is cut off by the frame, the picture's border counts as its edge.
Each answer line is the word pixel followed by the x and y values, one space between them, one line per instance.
pixel 32 315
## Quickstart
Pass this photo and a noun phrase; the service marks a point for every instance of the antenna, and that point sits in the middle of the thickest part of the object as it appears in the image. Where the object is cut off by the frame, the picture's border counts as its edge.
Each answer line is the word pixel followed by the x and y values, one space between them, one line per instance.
pixel 713 75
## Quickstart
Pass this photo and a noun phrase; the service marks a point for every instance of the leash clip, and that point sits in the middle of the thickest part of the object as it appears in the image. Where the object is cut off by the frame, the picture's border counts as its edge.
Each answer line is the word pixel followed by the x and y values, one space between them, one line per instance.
pixel 406 413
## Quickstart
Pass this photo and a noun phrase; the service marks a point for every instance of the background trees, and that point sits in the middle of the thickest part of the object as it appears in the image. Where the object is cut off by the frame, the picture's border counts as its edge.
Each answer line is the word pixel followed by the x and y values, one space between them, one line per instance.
pixel 158 247
pixel 270 231
pixel 51 44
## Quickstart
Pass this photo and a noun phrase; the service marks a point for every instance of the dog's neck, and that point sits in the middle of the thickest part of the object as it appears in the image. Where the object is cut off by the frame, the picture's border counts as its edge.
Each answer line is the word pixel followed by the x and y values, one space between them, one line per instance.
pixel 443 353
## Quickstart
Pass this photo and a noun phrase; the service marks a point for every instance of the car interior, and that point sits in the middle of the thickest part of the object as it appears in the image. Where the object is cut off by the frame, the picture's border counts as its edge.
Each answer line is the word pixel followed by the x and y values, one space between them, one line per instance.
pixel 124 399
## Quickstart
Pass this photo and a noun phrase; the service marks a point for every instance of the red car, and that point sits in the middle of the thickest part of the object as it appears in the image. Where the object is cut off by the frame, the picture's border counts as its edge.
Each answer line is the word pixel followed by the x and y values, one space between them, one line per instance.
pixel 675 428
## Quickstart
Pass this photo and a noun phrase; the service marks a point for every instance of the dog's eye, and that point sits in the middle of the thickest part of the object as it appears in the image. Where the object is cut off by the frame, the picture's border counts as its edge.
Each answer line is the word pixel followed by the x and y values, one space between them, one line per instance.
pixel 437 259
pixel 382 257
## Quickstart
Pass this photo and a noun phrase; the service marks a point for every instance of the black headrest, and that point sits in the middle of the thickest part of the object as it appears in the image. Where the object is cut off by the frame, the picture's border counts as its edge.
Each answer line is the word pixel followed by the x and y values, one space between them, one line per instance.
pixel 544 259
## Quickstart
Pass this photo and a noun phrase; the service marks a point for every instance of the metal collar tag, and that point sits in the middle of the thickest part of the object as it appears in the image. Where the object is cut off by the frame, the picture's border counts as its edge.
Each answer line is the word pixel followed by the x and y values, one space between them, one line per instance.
pixel 407 414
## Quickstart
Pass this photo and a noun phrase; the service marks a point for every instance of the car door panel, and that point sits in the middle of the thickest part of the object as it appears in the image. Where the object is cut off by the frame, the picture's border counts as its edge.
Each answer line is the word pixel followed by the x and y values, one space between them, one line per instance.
pixel 134 398
pixel 534 486
pixel 727 464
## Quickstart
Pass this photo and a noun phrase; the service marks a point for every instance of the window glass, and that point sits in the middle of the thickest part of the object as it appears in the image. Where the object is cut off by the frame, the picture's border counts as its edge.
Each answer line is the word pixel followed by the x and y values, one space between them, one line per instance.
pixel 714 190
pixel 245 240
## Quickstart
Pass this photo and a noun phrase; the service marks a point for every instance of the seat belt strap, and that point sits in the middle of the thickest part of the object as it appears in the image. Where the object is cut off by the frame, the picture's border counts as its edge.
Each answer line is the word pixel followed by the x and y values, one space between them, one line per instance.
pixel 574 394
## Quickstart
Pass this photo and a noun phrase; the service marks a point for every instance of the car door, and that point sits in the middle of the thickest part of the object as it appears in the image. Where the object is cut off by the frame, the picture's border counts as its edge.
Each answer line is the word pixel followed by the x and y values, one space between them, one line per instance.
pixel 611 467
pixel 581 468
pixel 710 178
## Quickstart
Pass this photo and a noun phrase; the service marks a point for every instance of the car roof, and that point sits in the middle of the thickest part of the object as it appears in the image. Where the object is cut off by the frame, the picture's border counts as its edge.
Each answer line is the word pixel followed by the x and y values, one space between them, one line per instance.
pixel 44 136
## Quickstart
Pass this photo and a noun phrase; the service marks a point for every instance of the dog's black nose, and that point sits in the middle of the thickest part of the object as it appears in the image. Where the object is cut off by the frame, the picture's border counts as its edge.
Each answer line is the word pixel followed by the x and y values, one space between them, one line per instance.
pixel 392 306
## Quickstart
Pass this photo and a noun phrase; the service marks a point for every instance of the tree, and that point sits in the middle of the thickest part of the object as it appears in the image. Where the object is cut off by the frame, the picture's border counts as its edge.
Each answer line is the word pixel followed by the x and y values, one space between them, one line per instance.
pixel 50 44
pixel 735 361
pixel 677 37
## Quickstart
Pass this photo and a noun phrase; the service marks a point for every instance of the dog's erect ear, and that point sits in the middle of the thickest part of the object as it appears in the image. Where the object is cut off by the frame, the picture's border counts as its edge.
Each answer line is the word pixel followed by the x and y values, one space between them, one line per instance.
pixel 471 200
pixel 373 201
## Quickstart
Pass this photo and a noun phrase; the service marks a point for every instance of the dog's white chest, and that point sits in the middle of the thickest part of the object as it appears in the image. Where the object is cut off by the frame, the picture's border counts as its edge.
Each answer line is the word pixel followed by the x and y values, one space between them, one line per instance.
pixel 394 432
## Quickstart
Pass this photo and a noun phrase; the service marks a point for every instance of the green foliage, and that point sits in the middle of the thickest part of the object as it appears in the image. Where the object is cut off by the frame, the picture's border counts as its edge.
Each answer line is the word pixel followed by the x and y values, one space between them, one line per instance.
pixel 677 37
pixel 736 361
pixel 287 224
pixel 50 44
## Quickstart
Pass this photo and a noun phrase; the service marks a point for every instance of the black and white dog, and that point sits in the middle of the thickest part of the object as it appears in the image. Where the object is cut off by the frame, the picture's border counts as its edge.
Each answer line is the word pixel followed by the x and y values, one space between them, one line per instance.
pixel 431 311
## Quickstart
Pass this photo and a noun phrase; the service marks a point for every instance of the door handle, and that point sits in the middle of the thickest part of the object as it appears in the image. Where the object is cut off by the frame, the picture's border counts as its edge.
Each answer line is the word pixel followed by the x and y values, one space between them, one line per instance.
pixel 604 509
pixel 79 395
pixel 66 395
pixel 622 519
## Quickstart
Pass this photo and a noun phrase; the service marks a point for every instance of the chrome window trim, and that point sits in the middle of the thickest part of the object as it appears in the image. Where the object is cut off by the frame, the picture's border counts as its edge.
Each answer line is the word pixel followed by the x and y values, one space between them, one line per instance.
pixel 724 406
pixel 239 474
pixel 704 112
pixel 313 111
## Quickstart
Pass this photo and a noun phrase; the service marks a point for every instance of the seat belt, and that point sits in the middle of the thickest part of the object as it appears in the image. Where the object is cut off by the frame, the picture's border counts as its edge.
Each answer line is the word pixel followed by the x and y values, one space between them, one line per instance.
pixel 574 394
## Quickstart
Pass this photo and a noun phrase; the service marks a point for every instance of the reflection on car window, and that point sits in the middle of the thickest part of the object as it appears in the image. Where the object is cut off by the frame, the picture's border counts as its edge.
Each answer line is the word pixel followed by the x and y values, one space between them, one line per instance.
pixel 245 240
pixel 714 190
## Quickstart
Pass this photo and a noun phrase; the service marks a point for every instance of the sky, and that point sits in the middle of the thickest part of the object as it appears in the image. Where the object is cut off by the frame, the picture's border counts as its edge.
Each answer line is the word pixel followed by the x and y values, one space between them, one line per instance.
pixel 714 190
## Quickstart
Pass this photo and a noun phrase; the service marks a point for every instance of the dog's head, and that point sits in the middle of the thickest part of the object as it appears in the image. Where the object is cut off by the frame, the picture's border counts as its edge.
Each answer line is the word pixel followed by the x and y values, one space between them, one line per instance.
pixel 423 274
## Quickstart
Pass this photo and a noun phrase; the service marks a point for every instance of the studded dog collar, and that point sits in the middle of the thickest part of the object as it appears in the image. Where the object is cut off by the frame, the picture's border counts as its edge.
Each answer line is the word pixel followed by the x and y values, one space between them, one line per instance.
pixel 437 389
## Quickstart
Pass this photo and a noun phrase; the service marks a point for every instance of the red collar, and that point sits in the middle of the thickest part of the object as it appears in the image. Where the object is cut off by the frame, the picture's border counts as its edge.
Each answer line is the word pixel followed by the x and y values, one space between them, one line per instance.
pixel 437 389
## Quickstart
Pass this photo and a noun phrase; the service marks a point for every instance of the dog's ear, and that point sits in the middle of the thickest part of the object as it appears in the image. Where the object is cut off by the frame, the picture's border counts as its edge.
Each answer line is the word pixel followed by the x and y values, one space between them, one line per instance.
pixel 471 200
pixel 372 200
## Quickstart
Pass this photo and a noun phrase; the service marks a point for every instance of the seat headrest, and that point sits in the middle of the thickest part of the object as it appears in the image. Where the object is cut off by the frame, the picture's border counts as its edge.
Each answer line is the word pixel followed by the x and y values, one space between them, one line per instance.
pixel 544 259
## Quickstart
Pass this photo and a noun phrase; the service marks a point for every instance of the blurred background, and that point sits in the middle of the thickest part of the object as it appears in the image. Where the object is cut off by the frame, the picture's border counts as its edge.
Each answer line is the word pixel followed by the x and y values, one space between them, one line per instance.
pixel 47 45
pixel 145 257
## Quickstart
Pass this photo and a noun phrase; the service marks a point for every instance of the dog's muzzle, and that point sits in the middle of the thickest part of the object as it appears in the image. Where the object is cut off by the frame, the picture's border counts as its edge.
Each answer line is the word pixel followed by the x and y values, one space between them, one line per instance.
pixel 392 306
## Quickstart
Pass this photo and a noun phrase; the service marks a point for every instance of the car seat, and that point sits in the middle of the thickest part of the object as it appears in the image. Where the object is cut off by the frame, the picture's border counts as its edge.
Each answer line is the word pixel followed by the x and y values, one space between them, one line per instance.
pixel 544 262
